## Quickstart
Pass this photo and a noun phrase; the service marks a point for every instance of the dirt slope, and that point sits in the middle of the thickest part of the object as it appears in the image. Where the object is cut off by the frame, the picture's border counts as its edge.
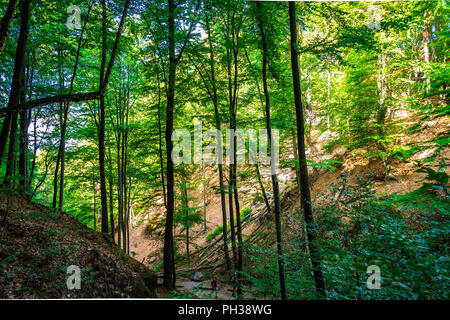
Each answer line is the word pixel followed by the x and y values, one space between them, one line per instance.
pixel 37 245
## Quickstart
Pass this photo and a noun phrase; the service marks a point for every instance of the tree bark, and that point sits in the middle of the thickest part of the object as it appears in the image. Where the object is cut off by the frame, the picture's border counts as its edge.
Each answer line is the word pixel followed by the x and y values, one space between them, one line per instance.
pixel 23 144
pixel 161 158
pixel 101 130
pixel 219 142
pixel 19 65
pixel 11 153
pixel 6 22
pixel 169 253
pixel 276 191
pixel 111 204
pixel 169 278
pixel 304 184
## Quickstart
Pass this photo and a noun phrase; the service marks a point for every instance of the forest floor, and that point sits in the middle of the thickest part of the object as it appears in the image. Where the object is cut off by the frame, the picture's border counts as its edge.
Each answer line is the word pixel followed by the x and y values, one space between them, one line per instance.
pixel 38 244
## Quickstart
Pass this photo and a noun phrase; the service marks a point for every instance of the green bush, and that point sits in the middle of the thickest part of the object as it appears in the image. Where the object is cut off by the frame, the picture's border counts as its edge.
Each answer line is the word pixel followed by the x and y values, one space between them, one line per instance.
pixel 407 239
pixel 215 233
pixel 245 211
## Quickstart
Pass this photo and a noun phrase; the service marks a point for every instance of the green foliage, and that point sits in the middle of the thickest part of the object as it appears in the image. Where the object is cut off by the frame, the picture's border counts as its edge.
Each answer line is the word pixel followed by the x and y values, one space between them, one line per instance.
pixel 245 211
pixel 406 236
pixel 218 230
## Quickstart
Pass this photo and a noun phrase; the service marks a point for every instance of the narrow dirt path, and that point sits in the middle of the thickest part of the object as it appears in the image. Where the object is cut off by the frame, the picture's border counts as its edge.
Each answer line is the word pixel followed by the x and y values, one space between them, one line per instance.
pixel 203 289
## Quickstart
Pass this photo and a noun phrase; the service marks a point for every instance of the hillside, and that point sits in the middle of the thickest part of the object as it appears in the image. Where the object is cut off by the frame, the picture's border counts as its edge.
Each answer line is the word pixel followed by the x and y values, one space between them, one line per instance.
pixel 38 244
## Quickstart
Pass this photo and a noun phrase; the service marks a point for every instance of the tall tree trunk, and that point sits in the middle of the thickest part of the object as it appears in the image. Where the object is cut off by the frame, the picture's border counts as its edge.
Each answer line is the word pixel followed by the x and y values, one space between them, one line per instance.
pixel 119 184
pixel 161 158
pixel 101 131
pixel 261 185
pixel 4 134
pixel 169 263
pixel 124 172
pixel 23 156
pixel 276 191
pixel 61 120
pixel 258 172
pixel 62 152
pixel 128 215
pixel 19 65
pixel 35 148
pixel 6 22
pixel 204 195
pixel 95 198
pixel 55 179
pixel 111 194
pixel 304 184
pixel 186 210
pixel 23 144
pixel 231 159
pixel 328 98
pixel 233 165
pixel 219 142
pixel 10 165
pixel 297 168
pixel 169 253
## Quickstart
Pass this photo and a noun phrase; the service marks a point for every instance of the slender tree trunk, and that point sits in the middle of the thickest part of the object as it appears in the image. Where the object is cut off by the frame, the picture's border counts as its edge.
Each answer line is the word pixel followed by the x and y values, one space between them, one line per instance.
pixel 23 141
pixel 328 97
pixel 128 215
pixel 124 172
pixel 8 181
pixel 233 168
pixel 304 184
pixel 231 159
pixel 6 22
pixel 169 263
pixel 111 203
pixel 35 148
pixel 236 197
pixel 62 152
pixel 23 156
pixel 5 133
pixel 261 185
pixel 61 124
pixel 297 169
pixel 119 185
pixel 19 65
pixel 258 172
pixel 169 253
pixel 119 144
pixel 186 205
pixel 95 198
pixel 276 191
pixel 204 196
pixel 219 142
pixel 161 158
pixel 55 180
pixel 101 131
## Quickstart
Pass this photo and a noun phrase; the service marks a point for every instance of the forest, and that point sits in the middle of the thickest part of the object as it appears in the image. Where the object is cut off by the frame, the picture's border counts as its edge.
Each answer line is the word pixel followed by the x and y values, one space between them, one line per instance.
pixel 225 149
